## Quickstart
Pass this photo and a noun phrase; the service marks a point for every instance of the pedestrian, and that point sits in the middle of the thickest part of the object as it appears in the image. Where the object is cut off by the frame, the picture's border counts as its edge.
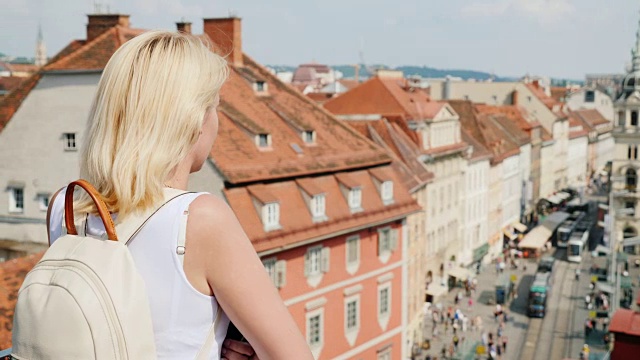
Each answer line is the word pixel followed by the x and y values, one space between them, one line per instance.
pixel 587 327
pixel 505 317
pixel 451 350
pixel 504 343
pixel 479 322
pixel 470 302
pixel 455 342
pixel 444 351
pixel 428 357
pixel 434 333
pixel 446 327
pixel 499 331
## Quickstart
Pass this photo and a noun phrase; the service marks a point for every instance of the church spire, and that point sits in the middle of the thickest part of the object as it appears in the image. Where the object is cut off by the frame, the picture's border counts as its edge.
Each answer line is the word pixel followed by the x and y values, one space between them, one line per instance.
pixel 41 49
pixel 635 52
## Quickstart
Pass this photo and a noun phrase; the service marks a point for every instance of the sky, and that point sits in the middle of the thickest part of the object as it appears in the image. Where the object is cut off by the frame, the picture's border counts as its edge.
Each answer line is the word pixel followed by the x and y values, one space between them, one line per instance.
pixel 557 38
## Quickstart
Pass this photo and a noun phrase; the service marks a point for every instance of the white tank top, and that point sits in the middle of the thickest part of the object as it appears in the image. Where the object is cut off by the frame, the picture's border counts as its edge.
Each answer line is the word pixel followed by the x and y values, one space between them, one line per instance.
pixel 182 316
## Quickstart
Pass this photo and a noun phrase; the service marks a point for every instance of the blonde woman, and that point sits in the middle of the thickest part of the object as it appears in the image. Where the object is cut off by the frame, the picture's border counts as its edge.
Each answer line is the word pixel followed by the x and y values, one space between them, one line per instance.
pixel 152 123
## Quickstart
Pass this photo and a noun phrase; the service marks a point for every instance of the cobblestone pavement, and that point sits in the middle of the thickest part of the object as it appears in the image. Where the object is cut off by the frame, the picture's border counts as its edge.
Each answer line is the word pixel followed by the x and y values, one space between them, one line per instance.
pixel 484 307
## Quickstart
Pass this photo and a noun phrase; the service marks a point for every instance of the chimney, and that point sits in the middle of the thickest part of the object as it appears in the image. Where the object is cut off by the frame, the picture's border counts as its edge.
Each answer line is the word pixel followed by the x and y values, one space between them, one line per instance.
pixel 514 97
pixel 536 83
pixel 184 27
pixel 100 23
pixel 226 34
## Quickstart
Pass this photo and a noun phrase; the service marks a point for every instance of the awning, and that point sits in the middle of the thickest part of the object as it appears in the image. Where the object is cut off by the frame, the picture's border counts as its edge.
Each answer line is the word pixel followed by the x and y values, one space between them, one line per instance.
pixel 435 289
pixel 480 252
pixel 460 273
pixel 536 238
pixel 509 234
pixel 604 287
pixel 600 249
pixel 554 199
pixel 519 226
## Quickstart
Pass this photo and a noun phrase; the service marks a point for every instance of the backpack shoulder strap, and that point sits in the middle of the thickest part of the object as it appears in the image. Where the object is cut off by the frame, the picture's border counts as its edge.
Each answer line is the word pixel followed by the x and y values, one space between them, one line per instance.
pixel 128 229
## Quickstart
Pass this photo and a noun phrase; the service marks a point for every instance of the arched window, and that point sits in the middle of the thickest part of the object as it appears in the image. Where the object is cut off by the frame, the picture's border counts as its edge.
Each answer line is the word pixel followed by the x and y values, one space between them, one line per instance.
pixel 634 118
pixel 631 179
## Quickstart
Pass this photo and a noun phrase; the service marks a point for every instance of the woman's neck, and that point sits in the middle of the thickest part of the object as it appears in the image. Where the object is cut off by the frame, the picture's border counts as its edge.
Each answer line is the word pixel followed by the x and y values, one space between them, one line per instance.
pixel 179 177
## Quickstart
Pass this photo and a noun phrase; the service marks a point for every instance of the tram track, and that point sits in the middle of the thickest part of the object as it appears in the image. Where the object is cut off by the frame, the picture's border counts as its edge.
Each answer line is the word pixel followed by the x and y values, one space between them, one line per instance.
pixel 548 341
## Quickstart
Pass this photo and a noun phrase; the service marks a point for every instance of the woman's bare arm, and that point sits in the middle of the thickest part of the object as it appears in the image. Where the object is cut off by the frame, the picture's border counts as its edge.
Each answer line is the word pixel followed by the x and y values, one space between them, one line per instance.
pixel 218 248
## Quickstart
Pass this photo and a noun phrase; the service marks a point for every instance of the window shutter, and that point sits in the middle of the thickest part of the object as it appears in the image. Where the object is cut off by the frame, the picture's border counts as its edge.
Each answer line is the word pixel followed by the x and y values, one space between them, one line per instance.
pixel 394 239
pixel 380 249
pixel 325 259
pixel 281 273
pixel 307 264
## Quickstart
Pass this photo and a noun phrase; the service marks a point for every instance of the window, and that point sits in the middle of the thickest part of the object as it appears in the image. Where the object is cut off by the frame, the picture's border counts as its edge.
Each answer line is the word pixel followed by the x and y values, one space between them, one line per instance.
pixel 309 136
pixel 260 86
pixel 16 200
pixel 589 96
pixel 263 140
pixel 353 253
pixel 385 354
pixel 635 152
pixel 387 192
pixel 70 141
pixel 271 216
pixel 318 206
pixel 634 118
pixel 621 118
pixel 629 153
pixel 43 201
pixel 384 302
pixel 316 261
pixel 355 198
pixel 387 243
pixel 352 317
pixel 270 267
pixel 631 179
pixel 314 330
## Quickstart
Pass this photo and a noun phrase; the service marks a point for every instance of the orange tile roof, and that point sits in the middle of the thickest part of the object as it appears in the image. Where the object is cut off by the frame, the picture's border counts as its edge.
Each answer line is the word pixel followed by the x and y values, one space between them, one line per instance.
pixel 11 103
pixel 387 97
pixel 319 98
pixel 488 129
pixel 298 225
pixel 479 151
pixel 28 68
pixel 625 321
pixel 541 95
pixel 559 93
pixel 281 114
pixel 9 83
pixel 95 54
pixel 12 274
pixel 391 136
pixel 591 116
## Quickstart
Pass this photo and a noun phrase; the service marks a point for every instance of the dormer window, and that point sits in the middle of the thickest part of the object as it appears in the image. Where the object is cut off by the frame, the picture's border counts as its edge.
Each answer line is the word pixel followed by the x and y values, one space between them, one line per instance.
pixel 267 207
pixel 318 206
pixel 271 216
pixel 263 141
pixel 387 192
pixel 260 86
pixel 315 197
pixel 355 198
pixel 309 136
pixel 384 182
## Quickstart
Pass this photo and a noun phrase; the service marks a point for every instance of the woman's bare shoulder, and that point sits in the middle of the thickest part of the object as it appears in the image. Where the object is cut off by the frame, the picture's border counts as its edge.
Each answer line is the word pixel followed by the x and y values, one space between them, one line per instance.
pixel 209 212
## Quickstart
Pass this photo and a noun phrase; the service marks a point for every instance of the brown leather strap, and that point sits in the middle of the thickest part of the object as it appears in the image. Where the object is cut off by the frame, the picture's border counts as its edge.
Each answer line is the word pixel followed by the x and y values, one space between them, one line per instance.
pixel 97 199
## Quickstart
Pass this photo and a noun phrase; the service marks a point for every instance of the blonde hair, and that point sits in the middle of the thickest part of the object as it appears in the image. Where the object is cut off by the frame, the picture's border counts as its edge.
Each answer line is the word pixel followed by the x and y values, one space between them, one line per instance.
pixel 146 116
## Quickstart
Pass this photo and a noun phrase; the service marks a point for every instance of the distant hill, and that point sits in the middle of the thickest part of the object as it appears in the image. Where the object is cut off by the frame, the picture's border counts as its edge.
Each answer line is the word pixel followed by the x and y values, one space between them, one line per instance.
pixel 424 71
pixel 427 72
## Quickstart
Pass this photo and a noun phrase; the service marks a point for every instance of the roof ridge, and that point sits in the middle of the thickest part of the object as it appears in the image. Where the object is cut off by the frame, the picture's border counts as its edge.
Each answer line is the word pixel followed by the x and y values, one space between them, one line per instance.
pixel 398 102
pixel 84 48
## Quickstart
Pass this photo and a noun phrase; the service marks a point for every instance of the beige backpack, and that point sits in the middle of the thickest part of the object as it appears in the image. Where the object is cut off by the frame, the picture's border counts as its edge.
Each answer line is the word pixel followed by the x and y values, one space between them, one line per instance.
pixel 85 298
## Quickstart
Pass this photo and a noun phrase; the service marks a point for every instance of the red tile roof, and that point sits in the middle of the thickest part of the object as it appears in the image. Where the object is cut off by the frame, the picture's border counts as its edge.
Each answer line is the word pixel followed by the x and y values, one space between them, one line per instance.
pixel 488 129
pixel 479 151
pixel 281 114
pixel 298 224
pixel 12 274
pixel 386 97
pixel 559 93
pixel 389 134
pixel 625 321
pixel 9 83
pixel 591 116
pixel 95 54
pixel 10 103
pixel 542 96
pixel 319 98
